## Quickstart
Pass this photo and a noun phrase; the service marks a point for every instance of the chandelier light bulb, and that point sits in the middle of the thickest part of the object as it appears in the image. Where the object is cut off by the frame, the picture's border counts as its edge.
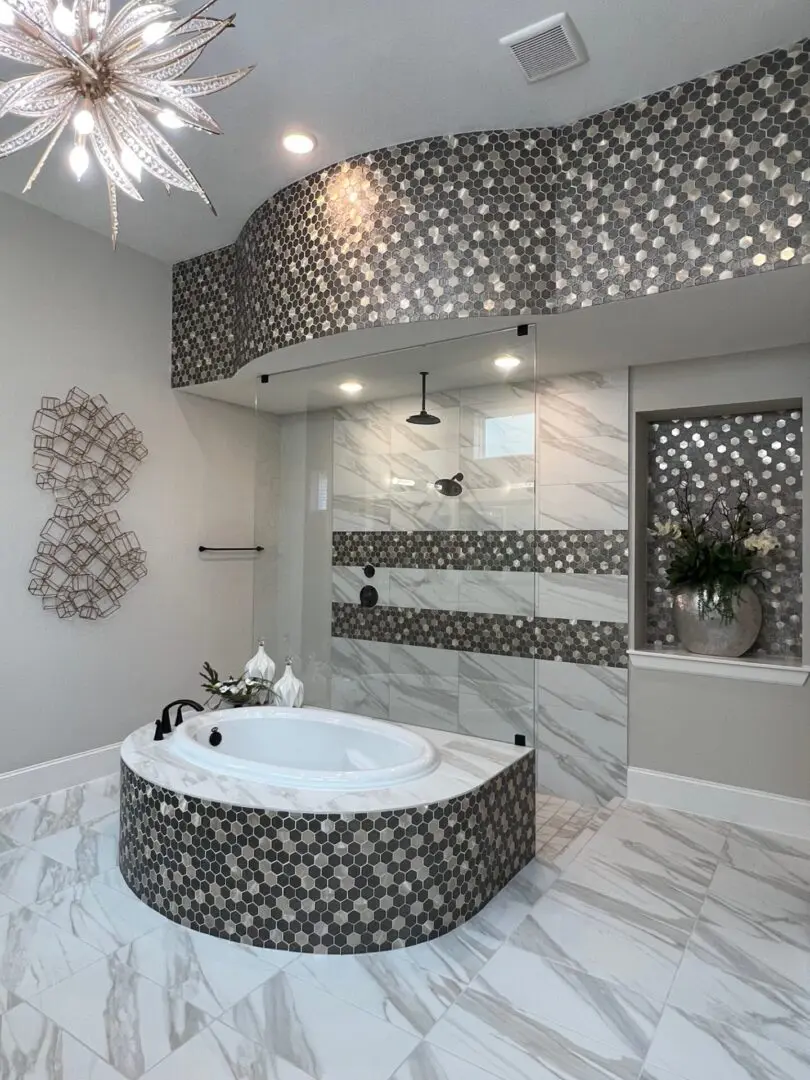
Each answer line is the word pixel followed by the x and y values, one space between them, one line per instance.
pixel 94 20
pixel 155 32
pixel 170 119
pixel 84 122
pixel 6 14
pixel 64 20
pixel 131 163
pixel 79 160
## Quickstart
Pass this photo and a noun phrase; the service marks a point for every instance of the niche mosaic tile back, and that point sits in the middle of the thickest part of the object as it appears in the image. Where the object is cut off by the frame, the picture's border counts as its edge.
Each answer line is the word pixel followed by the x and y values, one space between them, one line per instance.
pixel 698 183
pixel 334 883
pixel 717 450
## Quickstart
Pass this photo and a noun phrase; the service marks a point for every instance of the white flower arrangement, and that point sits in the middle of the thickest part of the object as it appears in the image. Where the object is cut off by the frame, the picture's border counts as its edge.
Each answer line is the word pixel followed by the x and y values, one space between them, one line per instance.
pixel 245 690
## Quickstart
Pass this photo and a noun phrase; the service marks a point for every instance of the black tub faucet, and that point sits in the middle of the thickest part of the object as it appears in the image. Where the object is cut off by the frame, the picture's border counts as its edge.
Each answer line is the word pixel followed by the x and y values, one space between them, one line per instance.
pixel 165 719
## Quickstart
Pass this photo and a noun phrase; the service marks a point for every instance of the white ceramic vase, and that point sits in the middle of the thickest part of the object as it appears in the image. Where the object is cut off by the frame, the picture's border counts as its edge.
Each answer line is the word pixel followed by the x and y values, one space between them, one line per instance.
pixel 260 666
pixel 289 690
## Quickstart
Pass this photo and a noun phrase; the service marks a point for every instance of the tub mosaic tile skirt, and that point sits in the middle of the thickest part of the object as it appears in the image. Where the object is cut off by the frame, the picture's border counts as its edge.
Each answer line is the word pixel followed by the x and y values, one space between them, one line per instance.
pixel 337 882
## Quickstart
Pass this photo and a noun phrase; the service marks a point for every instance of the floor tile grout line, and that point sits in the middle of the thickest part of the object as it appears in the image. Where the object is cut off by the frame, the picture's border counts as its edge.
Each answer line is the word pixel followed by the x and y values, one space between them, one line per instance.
pixel 683 957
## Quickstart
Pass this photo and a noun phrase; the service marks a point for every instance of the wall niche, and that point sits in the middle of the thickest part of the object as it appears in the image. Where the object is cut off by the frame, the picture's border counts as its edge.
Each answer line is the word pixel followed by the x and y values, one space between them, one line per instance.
pixel 717 451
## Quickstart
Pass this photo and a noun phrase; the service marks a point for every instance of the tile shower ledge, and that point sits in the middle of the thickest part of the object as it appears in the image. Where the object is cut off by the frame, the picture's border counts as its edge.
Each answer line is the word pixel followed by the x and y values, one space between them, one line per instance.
pixel 465 764
pixel 764 669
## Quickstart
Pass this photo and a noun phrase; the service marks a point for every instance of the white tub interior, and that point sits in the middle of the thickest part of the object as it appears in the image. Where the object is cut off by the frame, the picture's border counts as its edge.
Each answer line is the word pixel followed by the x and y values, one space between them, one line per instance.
pixel 304 748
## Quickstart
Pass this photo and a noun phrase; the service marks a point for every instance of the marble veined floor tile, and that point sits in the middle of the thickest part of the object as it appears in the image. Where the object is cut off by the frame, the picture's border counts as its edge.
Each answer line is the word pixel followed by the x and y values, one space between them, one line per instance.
pixel 752 904
pixel 6 844
pixel 639 887
pixel 760 956
pixel 777 858
pixel 129 1021
pixel 7 905
pixel 661 851
pixel 506 911
pixel 462 953
pixel 27 876
pixel 208 972
pixel 99 915
pixel 49 814
pixel 115 880
pixel 488 1032
pixel 83 848
pixel 569 999
pixel 220 1053
pixel 691 839
pixel 32 1047
pixel 695 1048
pixel 35 954
pixel 109 786
pixel 108 826
pixel 585 929
pixel 388 985
pixel 320 1035
pixel 780 1013
pixel 432 1063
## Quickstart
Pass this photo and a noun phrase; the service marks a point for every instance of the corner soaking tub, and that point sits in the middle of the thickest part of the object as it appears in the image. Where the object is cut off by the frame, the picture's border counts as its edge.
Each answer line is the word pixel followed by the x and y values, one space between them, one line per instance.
pixel 317 831
pixel 304 748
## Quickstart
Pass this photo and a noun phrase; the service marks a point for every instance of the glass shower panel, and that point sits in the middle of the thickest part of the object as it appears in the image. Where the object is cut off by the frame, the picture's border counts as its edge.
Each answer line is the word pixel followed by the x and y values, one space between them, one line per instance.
pixel 398 572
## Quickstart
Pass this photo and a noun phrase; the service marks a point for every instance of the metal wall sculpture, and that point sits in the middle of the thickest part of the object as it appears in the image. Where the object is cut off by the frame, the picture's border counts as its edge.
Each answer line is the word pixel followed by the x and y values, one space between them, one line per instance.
pixel 86 455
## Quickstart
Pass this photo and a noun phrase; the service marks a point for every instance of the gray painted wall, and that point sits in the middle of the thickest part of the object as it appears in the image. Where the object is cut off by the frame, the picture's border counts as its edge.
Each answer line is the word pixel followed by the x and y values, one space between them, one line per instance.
pixel 730 732
pixel 74 312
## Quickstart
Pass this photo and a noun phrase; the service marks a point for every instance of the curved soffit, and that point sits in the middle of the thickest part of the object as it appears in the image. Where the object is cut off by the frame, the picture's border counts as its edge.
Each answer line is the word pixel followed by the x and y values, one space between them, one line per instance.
pixel 702 182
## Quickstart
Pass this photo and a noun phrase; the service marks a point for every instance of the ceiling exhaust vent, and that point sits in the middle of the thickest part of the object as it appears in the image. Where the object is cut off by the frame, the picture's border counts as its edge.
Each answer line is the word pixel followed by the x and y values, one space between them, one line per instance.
pixel 547 47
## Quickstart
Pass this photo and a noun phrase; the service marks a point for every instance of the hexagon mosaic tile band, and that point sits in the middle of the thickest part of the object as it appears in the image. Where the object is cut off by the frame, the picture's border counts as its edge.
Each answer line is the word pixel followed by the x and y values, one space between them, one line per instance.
pixel 717 452
pixel 594 551
pixel 326 883
pixel 698 183
pixel 573 641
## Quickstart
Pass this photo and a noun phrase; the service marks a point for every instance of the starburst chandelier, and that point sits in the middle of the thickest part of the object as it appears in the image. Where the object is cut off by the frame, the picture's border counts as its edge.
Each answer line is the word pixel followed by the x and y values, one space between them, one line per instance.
pixel 109 77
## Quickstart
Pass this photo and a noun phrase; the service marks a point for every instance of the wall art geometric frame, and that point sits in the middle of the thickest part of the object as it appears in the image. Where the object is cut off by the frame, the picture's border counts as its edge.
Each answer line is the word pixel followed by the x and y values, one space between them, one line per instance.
pixel 86 456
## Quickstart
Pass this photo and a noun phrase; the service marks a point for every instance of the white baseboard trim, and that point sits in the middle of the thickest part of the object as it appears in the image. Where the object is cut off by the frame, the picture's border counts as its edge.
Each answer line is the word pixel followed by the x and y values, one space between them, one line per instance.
pixel 60 773
pixel 743 806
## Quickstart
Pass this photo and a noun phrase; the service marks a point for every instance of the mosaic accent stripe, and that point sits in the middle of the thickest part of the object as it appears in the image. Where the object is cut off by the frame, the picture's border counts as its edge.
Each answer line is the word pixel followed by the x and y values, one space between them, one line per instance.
pixel 315 883
pixel 548 551
pixel 701 182
pixel 573 641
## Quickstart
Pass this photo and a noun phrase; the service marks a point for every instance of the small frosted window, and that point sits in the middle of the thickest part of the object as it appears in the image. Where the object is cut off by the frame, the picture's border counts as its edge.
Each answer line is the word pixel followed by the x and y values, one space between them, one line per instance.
pixel 508 436
pixel 320 491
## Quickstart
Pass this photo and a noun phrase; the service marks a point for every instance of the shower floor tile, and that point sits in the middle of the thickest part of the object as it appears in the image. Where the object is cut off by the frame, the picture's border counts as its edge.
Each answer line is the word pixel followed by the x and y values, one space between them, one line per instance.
pixel 641 943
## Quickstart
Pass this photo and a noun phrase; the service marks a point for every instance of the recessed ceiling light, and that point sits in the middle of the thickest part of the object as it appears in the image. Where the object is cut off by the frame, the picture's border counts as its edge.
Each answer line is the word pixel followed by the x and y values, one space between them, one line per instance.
pixel 298 142
pixel 507 363
pixel 351 387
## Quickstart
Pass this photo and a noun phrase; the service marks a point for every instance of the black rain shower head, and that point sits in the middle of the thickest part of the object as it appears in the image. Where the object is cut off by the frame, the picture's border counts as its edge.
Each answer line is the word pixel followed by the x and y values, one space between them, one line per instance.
pixel 450 487
pixel 423 417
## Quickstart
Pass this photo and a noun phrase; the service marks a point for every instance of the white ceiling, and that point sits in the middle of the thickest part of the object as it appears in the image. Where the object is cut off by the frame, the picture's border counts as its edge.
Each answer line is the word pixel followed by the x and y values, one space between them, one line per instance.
pixel 361 74
pixel 761 311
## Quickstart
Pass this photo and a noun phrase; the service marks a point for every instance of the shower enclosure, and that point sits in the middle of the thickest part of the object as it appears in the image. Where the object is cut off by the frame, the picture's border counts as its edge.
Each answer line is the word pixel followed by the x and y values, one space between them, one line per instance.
pixel 445 534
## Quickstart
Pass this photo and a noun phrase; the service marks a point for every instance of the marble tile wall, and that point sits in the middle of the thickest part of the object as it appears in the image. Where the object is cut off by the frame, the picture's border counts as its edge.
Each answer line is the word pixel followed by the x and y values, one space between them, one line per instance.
pixel 503 612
